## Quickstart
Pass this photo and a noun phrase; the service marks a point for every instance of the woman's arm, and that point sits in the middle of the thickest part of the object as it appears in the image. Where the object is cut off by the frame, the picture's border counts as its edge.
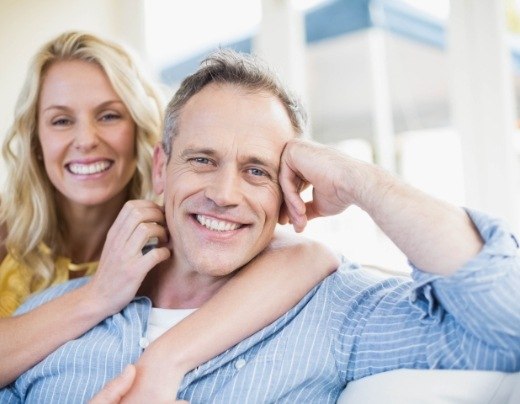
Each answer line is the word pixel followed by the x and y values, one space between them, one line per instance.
pixel 49 326
pixel 27 339
pixel 261 292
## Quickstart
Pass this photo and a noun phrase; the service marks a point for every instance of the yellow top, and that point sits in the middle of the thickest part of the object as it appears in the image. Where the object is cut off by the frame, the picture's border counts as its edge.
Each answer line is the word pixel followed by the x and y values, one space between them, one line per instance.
pixel 16 279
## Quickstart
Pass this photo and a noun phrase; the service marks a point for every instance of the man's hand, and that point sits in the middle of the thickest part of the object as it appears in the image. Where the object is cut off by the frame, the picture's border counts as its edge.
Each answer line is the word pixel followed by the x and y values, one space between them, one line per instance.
pixel 435 236
pixel 337 180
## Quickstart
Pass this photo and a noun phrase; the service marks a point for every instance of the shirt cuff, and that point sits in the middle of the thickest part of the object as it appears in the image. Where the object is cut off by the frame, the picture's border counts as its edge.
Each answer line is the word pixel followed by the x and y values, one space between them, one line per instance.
pixel 478 275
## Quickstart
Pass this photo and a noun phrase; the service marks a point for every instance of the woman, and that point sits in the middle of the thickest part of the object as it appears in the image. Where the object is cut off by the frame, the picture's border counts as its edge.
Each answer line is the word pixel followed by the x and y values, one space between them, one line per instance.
pixel 80 147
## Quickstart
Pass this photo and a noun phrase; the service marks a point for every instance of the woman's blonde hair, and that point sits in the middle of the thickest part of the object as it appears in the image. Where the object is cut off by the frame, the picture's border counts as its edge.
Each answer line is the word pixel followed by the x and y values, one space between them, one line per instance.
pixel 28 207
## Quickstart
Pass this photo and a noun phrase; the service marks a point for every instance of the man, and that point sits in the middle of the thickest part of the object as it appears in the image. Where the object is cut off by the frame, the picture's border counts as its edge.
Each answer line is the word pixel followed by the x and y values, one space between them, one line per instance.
pixel 231 146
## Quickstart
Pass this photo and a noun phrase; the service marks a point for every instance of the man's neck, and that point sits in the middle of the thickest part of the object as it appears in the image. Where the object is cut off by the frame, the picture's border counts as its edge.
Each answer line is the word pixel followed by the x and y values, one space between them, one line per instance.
pixel 170 287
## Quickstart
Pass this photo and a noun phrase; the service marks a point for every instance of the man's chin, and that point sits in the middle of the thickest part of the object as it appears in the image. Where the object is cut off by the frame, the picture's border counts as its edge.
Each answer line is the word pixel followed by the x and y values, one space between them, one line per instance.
pixel 222 262
pixel 219 267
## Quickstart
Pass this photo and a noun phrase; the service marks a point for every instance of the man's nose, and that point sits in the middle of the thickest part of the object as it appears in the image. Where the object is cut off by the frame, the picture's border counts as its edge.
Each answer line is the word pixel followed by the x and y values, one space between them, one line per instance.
pixel 224 189
pixel 86 136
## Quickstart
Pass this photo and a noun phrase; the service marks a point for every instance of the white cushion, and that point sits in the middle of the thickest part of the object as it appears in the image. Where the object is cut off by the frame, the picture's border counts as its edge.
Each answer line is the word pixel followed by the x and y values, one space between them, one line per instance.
pixel 408 386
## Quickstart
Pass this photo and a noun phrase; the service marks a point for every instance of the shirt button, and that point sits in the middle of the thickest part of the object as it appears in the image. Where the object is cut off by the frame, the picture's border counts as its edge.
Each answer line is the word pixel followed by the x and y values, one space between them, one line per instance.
pixel 143 342
pixel 239 364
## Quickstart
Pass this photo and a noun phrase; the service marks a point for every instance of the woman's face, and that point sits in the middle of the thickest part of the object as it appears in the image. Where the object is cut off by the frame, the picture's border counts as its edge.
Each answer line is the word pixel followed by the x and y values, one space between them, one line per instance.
pixel 86 133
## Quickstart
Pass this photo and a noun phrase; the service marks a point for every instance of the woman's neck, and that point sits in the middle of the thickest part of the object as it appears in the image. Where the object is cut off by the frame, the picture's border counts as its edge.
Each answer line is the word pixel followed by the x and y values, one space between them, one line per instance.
pixel 85 227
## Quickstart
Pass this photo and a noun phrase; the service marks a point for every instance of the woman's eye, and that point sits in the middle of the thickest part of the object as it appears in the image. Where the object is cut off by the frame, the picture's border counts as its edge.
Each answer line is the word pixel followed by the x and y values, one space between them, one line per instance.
pixel 61 122
pixel 109 117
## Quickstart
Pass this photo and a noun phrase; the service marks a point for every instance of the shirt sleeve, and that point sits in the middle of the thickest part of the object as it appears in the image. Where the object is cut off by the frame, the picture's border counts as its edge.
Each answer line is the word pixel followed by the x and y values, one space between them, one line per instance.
pixel 469 320
pixel 482 298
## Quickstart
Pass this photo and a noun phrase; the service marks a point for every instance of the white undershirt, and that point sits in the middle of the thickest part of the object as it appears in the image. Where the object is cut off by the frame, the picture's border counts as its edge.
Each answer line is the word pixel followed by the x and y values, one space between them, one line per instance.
pixel 161 320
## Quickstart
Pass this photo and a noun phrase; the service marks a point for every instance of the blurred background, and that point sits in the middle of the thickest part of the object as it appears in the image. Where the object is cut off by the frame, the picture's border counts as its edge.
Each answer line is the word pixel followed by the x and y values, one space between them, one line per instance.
pixel 427 89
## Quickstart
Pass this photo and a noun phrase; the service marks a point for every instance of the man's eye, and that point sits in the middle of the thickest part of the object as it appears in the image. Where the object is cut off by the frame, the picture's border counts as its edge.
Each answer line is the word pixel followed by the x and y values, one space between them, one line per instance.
pixel 257 172
pixel 200 160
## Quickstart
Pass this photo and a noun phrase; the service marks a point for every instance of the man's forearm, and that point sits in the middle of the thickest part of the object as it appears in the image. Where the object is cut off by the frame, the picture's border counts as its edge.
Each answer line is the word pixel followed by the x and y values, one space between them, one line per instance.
pixel 435 235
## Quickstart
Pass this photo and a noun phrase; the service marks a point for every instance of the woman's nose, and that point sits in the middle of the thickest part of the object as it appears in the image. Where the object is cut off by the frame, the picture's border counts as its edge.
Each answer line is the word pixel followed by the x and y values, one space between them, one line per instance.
pixel 86 137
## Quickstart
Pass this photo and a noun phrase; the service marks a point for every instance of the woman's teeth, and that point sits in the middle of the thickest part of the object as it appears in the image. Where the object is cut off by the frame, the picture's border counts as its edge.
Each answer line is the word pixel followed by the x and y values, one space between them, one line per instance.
pixel 88 169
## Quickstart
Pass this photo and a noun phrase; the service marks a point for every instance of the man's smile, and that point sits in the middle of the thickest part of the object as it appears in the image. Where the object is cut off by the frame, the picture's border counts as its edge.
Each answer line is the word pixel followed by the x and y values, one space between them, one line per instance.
pixel 214 224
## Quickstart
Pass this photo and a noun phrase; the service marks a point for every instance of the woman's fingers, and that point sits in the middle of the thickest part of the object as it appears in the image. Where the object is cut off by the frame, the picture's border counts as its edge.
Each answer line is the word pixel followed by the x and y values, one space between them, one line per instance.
pixel 115 390
pixel 123 264
pixel 143 233
pixel 152 258
pixel 132 214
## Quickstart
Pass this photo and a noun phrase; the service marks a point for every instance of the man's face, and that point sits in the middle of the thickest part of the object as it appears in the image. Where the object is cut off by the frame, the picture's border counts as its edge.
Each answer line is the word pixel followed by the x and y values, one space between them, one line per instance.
pixel 221 191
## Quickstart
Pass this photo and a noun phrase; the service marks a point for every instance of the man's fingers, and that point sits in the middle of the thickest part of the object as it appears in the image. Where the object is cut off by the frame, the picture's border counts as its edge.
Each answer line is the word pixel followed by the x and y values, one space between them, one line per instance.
pixel 115 390
pixel 294 205
pixel 293 216
pixel 299 223
pixel 291 193
pixel 283 216
pixel 291 185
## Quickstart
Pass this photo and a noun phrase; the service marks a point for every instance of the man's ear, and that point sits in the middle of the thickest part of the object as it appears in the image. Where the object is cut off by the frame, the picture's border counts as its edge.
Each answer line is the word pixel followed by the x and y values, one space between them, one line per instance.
pixel 159 169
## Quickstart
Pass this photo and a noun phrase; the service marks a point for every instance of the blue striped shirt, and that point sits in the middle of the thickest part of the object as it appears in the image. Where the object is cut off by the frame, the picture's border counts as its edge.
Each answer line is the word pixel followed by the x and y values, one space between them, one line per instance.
pixel 351 325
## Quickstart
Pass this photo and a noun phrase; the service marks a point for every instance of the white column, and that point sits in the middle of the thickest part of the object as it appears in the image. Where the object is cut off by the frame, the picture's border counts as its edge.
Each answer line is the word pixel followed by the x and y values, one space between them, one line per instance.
pixel 281 42
pixel 483 106
pixel 382 116
pixel 129 24
pixel 383 139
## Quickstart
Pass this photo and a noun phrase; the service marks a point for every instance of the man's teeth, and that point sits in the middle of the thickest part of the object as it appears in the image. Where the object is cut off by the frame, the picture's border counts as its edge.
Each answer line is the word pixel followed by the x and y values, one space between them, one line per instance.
pixel 87 169
pixel 217 225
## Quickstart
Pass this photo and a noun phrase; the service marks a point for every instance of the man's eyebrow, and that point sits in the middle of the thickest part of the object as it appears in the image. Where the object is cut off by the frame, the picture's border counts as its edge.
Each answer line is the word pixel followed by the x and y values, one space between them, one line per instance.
pixel 248 159
pixel 270 164
pixel 190 151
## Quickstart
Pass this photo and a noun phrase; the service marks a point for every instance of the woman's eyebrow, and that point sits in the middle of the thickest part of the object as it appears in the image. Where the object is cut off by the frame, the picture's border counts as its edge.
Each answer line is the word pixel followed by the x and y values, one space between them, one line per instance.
pixel 109 103
pixel 60 107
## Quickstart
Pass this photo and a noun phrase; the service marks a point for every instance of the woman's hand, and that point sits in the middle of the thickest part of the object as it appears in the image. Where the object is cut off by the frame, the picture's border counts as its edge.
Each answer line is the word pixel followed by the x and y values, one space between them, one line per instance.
pixel 114 391
pixel 117 391
pixel 123 265
pixel 121 270
pixel 157 379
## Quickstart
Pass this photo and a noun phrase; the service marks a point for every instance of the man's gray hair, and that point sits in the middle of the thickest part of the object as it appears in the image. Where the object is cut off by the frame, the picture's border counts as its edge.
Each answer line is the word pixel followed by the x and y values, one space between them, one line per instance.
pixel 226 66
